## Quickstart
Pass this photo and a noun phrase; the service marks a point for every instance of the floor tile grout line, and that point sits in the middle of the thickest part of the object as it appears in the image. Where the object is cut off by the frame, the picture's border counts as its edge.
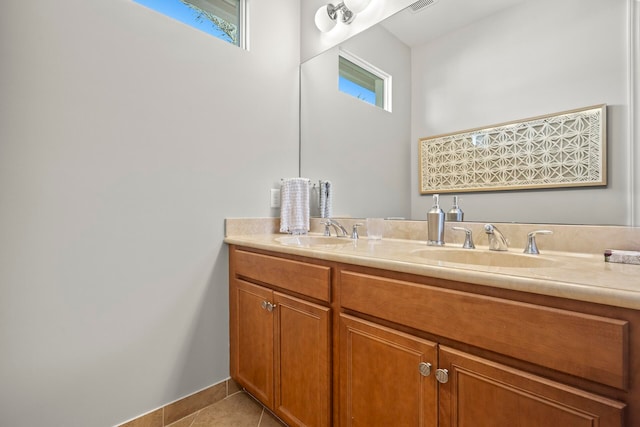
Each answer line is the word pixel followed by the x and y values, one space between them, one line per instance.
pixel 260 419
pixel 227 395
pixel 195 414
pixel 195 418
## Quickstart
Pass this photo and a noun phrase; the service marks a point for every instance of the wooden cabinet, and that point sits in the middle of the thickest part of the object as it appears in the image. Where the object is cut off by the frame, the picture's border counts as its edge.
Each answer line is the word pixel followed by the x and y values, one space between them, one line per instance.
pixel 386 377
pixel 280 350
pixel 464 389
pixel 302 361
pixel 384 381
pixel 252 346
pixel 324 344
pixel 587 346
pixel 482 393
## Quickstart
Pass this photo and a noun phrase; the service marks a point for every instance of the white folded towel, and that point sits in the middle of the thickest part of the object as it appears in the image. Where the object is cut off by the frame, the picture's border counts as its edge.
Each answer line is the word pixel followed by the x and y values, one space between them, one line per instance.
pixel 294 207
pixel 326 199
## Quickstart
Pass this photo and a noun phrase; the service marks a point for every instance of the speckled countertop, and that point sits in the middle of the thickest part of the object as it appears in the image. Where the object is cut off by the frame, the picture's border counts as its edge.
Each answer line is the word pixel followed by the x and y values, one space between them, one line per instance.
pixel 575 275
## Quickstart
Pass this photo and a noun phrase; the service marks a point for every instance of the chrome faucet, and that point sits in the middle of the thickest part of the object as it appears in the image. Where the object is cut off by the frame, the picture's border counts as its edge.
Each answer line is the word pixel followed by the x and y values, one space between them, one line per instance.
pixel 497 241
pixel 340 230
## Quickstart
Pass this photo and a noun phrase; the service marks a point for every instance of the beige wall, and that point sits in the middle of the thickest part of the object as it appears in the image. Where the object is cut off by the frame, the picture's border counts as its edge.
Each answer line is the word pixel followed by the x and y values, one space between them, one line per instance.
pixel 125 140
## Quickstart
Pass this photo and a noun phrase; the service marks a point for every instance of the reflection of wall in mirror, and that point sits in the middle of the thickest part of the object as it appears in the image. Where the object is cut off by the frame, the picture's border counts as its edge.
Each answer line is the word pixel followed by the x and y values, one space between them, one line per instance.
pixel 536 58
pixel 361 148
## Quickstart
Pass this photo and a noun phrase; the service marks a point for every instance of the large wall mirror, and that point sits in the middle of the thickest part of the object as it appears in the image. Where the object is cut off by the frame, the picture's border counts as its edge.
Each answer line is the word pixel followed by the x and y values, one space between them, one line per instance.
pixel 461 64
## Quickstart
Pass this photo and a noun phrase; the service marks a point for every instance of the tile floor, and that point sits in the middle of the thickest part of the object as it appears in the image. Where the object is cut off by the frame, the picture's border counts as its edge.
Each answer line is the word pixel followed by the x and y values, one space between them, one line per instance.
pixel 237 410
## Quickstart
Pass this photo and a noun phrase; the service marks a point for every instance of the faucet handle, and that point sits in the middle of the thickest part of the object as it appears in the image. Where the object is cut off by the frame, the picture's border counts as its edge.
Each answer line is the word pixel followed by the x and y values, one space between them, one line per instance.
pixel 354 232
pixel 327 230
pixel 468 239
pixel 532 248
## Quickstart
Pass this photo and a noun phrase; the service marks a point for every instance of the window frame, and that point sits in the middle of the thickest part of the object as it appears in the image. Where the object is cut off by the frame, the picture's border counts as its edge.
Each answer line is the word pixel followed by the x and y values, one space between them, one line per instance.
pixel 385 77
pixel 243 32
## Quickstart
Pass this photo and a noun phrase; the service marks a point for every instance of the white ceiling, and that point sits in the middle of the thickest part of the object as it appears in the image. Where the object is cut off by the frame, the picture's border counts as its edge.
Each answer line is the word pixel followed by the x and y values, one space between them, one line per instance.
pixel 443 16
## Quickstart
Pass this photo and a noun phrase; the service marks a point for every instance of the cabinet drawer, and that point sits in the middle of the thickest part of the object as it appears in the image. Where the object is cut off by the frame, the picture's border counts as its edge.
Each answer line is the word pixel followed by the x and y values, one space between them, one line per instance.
pixel 591 347
pixel 306 279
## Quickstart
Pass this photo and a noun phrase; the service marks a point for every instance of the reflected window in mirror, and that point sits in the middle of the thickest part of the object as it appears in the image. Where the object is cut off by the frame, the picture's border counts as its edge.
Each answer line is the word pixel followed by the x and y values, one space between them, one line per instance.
pixel 363 80
pixel 223 19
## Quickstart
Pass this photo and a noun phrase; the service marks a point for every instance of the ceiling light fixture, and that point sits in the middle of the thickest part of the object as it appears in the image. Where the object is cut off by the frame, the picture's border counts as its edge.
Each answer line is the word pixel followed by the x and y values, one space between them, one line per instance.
pixel 327 16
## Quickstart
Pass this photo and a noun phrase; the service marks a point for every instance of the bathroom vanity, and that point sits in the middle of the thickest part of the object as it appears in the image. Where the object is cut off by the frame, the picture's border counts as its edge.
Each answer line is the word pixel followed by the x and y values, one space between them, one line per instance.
pixel 360 333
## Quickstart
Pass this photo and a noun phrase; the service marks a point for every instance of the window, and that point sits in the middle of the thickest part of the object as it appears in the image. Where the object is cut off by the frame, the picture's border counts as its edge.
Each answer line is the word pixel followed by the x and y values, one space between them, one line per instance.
pixel 223 19
pixel 363 81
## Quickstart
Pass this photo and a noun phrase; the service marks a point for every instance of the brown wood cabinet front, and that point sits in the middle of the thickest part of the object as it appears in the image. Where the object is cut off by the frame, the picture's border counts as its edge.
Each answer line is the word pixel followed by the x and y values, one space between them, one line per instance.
pixel 381 383
pixel 482 393
pixel 251 339
pixel 587 346
pixel 302 362
pixel 280 352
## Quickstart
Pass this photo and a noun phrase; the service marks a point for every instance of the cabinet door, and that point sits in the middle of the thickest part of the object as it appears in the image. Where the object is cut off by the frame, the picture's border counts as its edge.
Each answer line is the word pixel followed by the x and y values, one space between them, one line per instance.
pixel 481 393
pixel 251 336
pixel 302 362
pixel 380 379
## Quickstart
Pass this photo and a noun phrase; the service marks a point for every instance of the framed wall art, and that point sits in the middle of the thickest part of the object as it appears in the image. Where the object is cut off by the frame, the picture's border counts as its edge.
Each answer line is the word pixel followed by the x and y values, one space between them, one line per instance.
pixel 566 149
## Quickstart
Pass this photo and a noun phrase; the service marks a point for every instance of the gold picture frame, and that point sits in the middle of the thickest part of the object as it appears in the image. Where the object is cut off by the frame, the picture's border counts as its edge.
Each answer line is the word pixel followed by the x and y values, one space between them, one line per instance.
pixel 566 149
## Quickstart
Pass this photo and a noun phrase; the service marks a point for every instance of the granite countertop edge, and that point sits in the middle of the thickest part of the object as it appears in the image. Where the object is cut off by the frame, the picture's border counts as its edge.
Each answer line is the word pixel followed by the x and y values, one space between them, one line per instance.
pixel 583 278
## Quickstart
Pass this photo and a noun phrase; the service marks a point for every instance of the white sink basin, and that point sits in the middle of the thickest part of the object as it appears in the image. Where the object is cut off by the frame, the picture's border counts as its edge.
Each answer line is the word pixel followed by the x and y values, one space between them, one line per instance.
pixel 486 258
pixel 313 241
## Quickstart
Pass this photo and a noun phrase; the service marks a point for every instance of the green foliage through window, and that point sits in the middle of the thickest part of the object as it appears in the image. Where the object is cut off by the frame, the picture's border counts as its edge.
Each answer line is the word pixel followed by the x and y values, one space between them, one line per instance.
pixel 220 18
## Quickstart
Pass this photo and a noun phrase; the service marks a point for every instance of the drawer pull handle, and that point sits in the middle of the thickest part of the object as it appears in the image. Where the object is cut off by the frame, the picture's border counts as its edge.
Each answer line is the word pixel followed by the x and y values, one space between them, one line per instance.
pixel 424 368
pixel 442 375
pixel 264 305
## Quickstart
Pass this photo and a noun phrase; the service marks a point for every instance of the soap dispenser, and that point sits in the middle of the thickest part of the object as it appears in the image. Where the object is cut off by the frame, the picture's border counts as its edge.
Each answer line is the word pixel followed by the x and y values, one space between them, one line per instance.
pixel 435 220
pixel 455 213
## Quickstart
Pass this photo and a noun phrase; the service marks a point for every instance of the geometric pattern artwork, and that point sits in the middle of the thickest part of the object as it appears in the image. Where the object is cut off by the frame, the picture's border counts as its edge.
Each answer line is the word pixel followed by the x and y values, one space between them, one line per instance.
pixel 565 149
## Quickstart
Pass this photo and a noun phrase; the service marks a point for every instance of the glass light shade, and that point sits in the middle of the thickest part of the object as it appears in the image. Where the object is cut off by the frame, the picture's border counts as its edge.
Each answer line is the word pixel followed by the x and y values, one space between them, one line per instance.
pixel 323 20
pixel 356 6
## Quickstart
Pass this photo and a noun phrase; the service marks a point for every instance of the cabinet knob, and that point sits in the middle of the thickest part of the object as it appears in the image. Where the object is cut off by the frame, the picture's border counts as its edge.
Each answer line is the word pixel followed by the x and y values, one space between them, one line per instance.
pixel 266 305
pixel 424 368
pixel 442 375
